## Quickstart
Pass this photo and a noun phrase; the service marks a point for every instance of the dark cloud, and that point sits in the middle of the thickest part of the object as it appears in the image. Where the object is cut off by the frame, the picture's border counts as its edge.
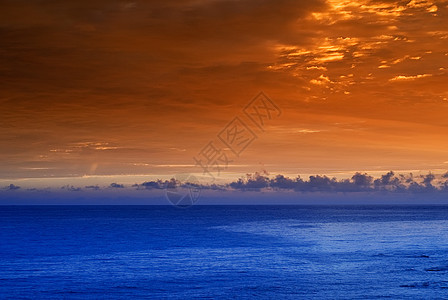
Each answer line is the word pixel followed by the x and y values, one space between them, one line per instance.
pixel 159 184
pixel 116 185
pixel 12 187
pixel 71 188
pixel 92 187
pixel 389 183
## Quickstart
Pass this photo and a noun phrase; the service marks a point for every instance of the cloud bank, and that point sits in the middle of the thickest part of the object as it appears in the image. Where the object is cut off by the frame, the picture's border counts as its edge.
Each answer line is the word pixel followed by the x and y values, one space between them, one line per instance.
pixel 262 182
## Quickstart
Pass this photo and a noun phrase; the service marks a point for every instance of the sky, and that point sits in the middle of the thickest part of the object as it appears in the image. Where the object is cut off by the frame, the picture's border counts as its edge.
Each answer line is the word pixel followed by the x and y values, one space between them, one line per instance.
pixel 95 92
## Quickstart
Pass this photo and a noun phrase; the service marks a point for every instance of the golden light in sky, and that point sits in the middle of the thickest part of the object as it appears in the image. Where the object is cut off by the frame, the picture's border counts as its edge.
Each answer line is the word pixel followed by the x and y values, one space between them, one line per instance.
pixel 93 88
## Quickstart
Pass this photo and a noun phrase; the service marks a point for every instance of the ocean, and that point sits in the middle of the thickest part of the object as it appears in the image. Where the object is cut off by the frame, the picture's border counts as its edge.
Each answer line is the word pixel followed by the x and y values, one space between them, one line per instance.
pixel 223 252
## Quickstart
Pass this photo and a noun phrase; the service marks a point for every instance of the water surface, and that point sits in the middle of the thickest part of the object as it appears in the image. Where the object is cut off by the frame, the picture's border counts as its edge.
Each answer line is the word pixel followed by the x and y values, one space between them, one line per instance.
pixel 312 252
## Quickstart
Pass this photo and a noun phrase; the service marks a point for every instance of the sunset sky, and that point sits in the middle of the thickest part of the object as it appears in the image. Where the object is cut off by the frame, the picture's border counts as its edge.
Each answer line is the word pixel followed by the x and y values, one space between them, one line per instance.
pixel 104 90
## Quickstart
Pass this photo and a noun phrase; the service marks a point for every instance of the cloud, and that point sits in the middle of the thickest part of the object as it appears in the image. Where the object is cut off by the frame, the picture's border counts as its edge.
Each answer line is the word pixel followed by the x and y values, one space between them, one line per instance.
pixel 71 188
pixel 116 185
pixel 12 187
pixel 359 182
pixel 159 184
pixel 93 187
pixel 412 77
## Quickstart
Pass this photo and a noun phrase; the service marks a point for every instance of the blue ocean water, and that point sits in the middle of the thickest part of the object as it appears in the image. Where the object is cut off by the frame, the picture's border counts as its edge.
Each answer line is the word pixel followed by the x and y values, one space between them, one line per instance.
pixel 223 252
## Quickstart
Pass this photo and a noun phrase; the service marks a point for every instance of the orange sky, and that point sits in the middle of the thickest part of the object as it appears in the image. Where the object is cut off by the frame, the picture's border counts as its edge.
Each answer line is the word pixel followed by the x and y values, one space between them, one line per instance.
pixel 92 88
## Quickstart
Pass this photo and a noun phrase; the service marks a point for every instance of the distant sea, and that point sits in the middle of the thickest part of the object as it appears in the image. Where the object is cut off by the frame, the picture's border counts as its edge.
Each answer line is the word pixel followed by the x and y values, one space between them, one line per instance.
pixel 223 252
